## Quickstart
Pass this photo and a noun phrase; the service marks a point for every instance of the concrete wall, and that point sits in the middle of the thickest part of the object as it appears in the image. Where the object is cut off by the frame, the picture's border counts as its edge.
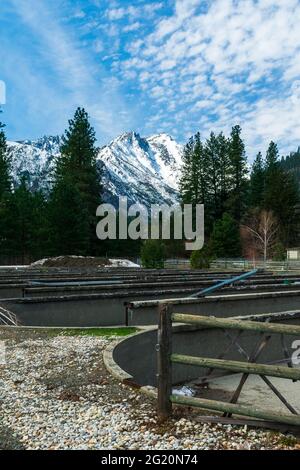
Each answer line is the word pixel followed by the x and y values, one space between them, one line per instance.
pixel 109 308
pixel 8 291
pixel 54 282
pixel 145 313
pixel 187 287
pixel 137 354
pixel 54 304
pixel 84 310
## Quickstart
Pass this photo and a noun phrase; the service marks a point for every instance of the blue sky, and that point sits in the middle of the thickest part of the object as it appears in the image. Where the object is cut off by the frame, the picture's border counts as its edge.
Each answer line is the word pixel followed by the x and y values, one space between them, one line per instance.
pixel 175 66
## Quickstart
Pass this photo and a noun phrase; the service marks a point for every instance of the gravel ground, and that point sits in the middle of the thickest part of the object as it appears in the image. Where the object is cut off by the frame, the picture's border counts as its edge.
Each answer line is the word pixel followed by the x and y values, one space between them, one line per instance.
pixel 56 394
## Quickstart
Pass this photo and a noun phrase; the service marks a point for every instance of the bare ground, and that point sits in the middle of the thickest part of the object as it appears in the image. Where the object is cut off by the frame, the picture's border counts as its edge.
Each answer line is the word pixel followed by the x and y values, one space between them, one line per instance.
pixel 55 393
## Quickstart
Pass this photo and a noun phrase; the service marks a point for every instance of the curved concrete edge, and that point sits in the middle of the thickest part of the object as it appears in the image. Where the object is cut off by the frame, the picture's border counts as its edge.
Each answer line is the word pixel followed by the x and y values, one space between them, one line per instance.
pixel 121 375
pixel 118 368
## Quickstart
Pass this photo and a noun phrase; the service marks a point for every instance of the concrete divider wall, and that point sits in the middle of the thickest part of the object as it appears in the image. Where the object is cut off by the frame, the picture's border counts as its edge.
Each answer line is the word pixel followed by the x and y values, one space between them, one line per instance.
pixel 84 310
pixel 187 286
pixel 55 283
pixel 55 303
pixel 109 309
pixel 8 291
pixel 145 312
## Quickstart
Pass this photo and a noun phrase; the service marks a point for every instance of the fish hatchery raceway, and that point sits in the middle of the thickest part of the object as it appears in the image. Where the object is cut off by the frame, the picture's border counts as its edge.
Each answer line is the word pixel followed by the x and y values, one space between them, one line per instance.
pixel 55 389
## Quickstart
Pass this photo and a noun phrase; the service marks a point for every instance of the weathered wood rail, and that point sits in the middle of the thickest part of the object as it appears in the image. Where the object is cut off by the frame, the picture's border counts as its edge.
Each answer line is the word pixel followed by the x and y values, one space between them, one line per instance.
pixel 166 358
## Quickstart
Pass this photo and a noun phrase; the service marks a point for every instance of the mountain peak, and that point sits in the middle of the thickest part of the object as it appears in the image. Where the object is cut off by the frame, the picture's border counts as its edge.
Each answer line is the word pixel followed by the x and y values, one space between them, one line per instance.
pixel 145 170
pixel 128 136
pixel 162 135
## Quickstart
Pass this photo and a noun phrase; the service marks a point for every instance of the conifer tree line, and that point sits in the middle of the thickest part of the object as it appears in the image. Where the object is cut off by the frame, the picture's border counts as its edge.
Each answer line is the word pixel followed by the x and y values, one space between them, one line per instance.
pixel 33 226
pixel 216 173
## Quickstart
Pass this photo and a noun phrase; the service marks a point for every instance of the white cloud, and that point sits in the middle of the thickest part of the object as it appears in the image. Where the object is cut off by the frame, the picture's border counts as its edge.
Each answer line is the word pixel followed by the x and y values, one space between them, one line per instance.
pixel 235 59
pixel 86 84
pixel 2 92
pixel 116 13
pixel 132 27
pixel 133 12
pixel 98 46
pixel 79 14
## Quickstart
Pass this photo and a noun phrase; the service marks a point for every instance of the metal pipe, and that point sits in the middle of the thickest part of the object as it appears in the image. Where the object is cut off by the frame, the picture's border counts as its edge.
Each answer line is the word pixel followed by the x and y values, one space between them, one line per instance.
pixel 221 284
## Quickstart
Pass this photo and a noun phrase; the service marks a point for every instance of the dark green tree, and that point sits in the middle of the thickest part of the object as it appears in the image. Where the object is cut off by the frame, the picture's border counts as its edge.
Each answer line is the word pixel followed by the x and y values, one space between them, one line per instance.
pixel 238 174
pixel 217 165
pixel 212 165
pixel 281 194
pixel 153 254
pixel 25 223
pixel 200 259
pixel 257 182
pixel 5 190
pixel 279 252
pixel 5 180
pixel 224 171
pixel 272 157
pixel 225 239
pixel 69 229
pixel 193 181
pixel 273 177
pixel 77 167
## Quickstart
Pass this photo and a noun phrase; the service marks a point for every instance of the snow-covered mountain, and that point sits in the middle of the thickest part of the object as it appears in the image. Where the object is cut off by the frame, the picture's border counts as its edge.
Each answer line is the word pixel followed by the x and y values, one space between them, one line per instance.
pixel 35 160
pixel 143 169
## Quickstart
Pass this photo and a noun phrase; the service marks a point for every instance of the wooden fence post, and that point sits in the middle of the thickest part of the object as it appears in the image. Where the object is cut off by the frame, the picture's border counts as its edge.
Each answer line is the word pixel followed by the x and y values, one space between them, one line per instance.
pixel 164 364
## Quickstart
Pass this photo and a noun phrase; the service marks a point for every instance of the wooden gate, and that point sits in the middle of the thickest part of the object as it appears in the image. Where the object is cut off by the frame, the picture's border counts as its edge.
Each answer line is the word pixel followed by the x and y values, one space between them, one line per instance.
pixel 166 357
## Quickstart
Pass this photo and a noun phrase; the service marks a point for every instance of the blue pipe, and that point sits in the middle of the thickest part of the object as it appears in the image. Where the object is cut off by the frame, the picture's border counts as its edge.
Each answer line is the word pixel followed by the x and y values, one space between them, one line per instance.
pixel 217 286
pixel 71 283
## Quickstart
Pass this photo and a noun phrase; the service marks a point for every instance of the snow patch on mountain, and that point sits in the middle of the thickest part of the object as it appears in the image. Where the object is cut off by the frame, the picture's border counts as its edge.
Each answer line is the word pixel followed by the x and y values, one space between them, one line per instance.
pixel 146 170
pixel 35 160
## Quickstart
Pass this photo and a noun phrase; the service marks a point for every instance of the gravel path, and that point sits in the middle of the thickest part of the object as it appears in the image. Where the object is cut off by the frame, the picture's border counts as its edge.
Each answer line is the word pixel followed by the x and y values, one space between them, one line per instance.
pixel 56 394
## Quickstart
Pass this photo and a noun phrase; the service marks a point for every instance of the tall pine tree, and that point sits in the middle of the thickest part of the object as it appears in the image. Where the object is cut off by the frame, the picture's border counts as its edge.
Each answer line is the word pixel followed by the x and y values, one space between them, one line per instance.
pixel 272 157
pixel 238 174
pixel 193 182
pixel 25 224
pixel 77 186
pixel 281 194
pixel 69 228
pixel 5 181
pixel 5 190
pixel 217 165
pixel 257 182
pixel 224 171
pixel 213 175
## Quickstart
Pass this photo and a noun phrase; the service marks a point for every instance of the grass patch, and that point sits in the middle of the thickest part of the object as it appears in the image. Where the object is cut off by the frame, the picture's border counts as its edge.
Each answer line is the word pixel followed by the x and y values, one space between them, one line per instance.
pixel 286 440
pixel 289 441
pixel 96 332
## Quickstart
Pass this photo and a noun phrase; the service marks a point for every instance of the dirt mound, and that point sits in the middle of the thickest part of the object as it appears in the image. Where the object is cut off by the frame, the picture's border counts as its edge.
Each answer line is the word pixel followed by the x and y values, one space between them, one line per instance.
pixel 72 262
